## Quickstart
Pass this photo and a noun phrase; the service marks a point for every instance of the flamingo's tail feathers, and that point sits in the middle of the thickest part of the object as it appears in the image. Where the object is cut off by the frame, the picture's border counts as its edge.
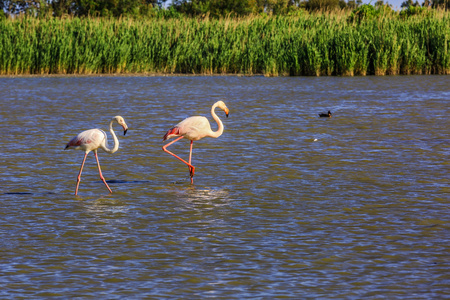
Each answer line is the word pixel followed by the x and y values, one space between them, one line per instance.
pixel 171 133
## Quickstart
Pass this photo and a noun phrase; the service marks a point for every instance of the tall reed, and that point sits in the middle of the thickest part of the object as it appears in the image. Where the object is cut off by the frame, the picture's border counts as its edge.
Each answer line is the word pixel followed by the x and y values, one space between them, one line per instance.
pixel 313 45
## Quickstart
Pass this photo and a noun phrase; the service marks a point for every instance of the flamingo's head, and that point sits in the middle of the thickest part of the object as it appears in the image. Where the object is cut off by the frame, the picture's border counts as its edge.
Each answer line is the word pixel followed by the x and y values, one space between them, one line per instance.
pixel 223 107
pixel 122 123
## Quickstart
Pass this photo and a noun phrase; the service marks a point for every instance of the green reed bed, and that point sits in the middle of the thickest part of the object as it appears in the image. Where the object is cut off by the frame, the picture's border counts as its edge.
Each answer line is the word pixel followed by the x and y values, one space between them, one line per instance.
pixel 316 45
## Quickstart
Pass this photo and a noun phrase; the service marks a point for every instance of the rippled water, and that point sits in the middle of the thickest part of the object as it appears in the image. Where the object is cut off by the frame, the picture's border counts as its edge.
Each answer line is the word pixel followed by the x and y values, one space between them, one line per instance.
pixel 284 203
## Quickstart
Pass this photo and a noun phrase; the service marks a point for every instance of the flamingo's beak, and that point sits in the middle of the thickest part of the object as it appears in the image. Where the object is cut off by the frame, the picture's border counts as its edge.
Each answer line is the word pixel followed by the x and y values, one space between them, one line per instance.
pixel 227 112
pixel 125 128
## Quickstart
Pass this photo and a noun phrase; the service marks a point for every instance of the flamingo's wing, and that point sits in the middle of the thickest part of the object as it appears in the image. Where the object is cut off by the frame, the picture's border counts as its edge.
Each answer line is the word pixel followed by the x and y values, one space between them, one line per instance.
pixel 89 139
pixel 194 128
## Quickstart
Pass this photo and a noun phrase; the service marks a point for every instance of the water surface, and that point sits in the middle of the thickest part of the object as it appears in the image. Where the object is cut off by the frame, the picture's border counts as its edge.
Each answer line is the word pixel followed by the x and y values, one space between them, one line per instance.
pixel 284 204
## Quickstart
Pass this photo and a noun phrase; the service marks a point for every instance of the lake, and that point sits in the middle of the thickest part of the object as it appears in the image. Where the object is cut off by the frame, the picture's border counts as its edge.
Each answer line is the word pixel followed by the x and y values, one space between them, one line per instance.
pixel 284 204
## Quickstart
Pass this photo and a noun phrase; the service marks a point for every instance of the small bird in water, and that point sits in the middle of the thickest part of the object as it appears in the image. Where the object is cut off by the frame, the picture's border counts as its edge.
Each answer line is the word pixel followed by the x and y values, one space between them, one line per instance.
pixel 328 115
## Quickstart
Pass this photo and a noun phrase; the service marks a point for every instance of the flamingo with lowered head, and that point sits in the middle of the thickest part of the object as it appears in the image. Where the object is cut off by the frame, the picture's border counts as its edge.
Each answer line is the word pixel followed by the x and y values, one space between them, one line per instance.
pixel 91 140
pixel 194 129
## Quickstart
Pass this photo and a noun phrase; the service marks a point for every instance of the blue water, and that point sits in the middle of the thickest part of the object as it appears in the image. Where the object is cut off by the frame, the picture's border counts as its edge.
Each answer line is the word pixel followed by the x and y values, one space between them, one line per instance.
pixel 284 204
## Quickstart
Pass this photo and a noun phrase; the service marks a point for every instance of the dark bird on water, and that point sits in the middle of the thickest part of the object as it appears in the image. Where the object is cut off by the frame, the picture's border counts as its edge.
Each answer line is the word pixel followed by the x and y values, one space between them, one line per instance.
pixel 328 115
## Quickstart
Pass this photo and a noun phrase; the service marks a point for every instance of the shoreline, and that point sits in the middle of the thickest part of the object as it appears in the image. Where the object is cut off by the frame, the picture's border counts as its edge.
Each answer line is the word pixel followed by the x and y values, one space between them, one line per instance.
pixel 139 75
pixel 196 75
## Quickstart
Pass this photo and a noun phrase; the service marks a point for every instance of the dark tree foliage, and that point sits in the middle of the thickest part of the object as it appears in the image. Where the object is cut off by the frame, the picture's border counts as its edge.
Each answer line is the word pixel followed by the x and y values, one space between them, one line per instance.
pixel 18 6
pixel 215 8
pixel 322 4
pixel 212 8
pixel 62 7
pixel 115 8
pixel 443 4
pixel 409 3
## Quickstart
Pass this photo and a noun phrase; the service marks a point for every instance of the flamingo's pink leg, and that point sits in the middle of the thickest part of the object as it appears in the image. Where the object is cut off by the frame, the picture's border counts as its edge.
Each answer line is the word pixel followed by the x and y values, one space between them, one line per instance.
pixel 100 171
pixel 191 167
pixel 79 174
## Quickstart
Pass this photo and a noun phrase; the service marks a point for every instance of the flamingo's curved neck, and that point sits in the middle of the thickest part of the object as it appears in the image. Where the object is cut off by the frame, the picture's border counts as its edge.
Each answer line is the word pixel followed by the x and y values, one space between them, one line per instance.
pixel 216 134
pixel 116 141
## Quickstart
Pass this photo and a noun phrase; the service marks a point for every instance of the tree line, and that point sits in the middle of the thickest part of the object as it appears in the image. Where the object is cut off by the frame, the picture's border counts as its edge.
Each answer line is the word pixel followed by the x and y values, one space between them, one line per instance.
pixel 212 8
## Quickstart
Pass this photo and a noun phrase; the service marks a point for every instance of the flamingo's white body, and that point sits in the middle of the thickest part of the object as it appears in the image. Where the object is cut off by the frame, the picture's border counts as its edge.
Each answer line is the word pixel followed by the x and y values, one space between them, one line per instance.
pixel 194 129
pixel 93 139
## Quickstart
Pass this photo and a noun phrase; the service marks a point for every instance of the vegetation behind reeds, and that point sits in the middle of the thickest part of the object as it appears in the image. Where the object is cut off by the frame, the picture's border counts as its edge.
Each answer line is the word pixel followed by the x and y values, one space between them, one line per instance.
pixel 316 44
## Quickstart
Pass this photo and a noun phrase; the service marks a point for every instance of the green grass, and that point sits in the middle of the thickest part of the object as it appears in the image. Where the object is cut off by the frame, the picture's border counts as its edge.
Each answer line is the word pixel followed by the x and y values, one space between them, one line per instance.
pixel 312 45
